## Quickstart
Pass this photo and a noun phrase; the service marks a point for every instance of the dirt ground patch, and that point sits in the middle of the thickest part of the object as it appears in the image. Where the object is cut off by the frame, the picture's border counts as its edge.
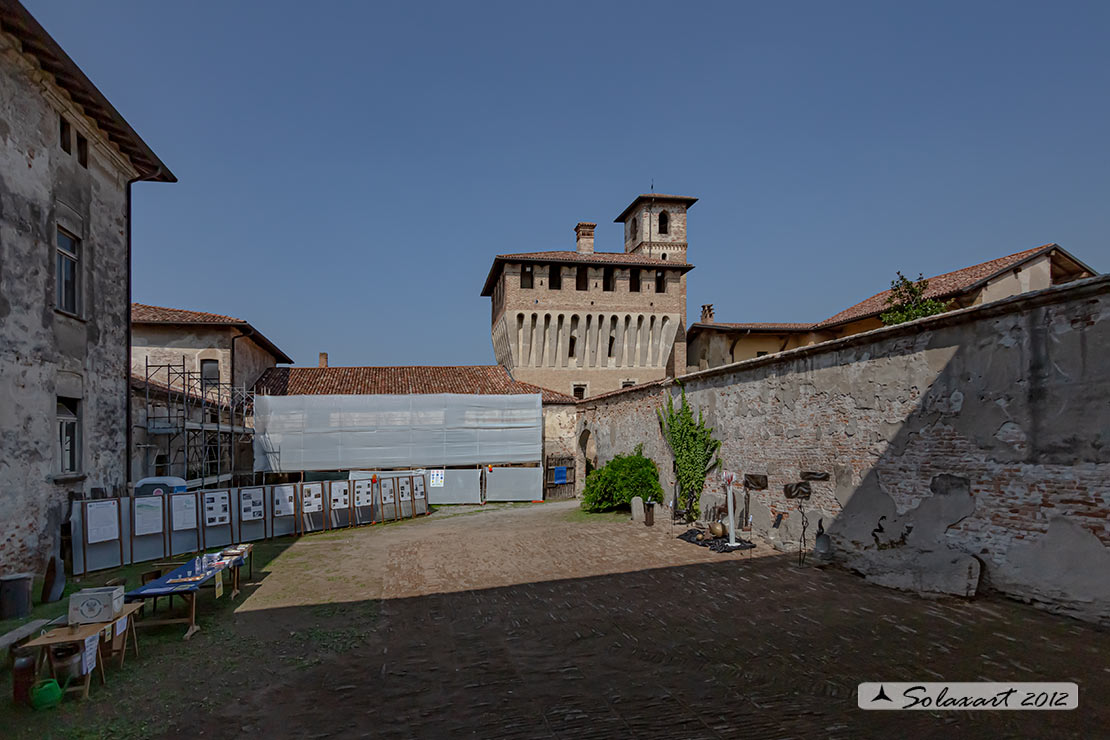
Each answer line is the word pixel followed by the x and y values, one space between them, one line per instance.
pixel 538 621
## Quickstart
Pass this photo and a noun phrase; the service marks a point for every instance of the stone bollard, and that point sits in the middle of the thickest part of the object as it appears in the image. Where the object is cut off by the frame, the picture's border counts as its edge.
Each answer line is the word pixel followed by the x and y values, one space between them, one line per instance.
pixel 637 508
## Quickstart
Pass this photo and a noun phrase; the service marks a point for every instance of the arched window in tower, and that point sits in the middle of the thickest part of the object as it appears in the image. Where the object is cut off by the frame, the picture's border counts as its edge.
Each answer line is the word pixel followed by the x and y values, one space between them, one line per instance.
pixel 664 222
pixel 634 227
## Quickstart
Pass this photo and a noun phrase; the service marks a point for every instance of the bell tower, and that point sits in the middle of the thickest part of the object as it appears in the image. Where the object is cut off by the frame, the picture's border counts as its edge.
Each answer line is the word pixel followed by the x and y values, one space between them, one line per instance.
pixel 655 226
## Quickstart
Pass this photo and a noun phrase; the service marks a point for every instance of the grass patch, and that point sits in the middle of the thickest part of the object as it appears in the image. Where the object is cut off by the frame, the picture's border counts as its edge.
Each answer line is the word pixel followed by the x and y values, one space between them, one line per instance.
pixel 580 515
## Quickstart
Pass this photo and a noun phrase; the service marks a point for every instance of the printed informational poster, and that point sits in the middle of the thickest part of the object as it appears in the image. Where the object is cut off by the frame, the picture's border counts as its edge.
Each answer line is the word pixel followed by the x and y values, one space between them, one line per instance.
pixel 121 626
pixel 340 494
pixel 404 485
pixel 88 656
pixel 312 498
pixel 102 521
pixel 436 478
pixel 388 496
pixel 184 511
pixel 148 515
pixel 418 487
pixel 252 504
pixel 364 493
pixel 283 500
pixel 217 508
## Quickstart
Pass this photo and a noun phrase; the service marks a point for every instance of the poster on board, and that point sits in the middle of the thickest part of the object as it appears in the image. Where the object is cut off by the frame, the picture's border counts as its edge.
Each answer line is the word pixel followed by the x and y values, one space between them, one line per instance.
pixel 435 478
pixel 418 487
pixel 102 521
pixel 184 511
pixel 252 506
pixel 364 493
pixel 148 515
pixel 387 491
pixel 404 486
pixel 340 494
pixel 283 500
pixel 217 508
pixel 312 498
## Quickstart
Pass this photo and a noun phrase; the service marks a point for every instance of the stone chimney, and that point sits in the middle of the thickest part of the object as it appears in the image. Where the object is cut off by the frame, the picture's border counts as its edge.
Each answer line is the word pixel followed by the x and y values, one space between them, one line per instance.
pixel 324 356
pixel 707 313
pixel 585 233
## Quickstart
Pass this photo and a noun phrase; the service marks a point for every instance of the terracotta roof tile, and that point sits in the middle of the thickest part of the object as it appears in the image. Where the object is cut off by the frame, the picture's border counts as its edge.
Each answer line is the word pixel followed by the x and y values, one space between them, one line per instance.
pixel 481 379
pixel 144 314
pixel 141 313
pixel 755 326
pixel 940 286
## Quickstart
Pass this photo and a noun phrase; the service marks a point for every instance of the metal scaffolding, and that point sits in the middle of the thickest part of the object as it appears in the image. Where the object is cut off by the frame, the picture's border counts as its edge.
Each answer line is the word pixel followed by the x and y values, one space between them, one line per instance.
pixel 203 431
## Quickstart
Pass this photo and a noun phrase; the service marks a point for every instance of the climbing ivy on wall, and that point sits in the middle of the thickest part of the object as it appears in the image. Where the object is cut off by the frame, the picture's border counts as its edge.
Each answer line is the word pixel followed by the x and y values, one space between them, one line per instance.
pixel 694 449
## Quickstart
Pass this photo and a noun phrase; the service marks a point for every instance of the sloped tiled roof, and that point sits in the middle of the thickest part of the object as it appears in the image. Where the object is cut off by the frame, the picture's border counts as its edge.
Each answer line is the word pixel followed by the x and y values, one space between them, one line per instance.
pixel 571 257
pixel 35 41
pixel 948 285
pixel 399 380
pixel 142 313
pixel 686 200
pixel 754 326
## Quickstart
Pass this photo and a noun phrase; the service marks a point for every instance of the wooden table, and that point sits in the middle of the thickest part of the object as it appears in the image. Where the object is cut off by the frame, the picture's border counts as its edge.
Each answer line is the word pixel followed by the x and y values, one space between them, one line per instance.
pixel 77 635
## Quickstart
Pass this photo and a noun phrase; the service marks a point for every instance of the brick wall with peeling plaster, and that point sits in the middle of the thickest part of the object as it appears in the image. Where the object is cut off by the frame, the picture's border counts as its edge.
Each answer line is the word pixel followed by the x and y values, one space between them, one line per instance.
pixel 966 449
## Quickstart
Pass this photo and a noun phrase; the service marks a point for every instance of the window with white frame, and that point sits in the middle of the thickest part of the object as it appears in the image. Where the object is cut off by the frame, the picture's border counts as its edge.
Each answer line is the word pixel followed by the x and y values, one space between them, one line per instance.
pixel 69 435
pixel 67 273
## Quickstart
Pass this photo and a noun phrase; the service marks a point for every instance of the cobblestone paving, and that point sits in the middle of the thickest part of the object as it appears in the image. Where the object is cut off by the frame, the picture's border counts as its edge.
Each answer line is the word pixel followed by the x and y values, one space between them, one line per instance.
pixel 586 630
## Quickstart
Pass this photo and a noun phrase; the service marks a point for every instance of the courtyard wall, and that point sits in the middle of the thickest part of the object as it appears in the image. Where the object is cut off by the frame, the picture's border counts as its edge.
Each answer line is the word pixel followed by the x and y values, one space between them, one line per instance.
pixel 962 451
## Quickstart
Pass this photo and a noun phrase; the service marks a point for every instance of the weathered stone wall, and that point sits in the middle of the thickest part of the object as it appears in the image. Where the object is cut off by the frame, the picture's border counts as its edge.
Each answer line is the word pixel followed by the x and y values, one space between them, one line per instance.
pixel 972 443
pixel 45 353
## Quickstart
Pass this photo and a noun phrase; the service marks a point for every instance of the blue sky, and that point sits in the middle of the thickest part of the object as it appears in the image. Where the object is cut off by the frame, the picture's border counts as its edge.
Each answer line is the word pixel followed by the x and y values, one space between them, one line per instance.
pixel 349 170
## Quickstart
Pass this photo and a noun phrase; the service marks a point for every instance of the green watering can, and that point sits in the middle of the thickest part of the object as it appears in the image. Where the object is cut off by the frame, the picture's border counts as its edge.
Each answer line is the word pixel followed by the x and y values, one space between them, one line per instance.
pixel 46 693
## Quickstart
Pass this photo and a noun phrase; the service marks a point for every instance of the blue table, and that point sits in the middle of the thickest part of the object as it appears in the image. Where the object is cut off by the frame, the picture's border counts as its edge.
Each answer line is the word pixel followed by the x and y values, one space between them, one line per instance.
pixel 185 581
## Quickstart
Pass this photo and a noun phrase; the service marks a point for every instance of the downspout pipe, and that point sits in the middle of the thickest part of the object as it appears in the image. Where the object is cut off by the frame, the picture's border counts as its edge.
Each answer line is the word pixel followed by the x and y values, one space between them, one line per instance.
pixel 127 450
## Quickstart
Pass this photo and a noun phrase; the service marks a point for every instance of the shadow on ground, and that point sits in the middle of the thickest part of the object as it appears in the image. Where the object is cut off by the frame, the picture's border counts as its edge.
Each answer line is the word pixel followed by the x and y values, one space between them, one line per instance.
pixel 738 649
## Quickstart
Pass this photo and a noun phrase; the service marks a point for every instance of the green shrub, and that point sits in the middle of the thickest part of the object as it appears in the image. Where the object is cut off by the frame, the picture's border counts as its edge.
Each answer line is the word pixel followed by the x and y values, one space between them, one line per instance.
pixel 613 485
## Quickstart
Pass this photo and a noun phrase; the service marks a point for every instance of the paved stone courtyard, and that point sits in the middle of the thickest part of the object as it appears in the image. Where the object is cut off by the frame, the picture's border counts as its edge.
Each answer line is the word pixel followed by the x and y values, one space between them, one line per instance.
pixel 540 622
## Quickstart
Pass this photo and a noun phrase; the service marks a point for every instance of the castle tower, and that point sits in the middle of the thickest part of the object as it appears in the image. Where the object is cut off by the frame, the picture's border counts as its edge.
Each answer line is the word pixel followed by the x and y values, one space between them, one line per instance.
pixel 655 226
pixel 584 321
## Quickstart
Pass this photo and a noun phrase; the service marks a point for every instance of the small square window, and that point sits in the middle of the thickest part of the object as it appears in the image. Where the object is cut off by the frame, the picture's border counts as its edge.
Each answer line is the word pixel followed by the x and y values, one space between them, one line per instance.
pixel 82 151
pixel 65 137
pixel 760 354
pixel 627 383
pixel 579 391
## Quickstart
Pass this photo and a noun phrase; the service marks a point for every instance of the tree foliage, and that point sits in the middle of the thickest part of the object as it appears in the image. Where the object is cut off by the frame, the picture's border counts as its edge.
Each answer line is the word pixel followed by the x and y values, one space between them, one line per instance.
pixel 613 485
pixel 907 301
pixel 694 449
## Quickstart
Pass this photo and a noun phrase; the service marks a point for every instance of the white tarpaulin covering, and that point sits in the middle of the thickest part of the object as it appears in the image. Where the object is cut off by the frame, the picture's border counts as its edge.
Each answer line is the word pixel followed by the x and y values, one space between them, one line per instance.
pixel 341 432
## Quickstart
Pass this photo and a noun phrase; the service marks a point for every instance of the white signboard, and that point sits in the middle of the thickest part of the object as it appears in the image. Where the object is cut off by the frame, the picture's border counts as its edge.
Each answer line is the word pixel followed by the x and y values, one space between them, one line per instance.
pixel 88 655
pixel 340 494
pixel 148 515
pixel 217 509
pixel 283 500
pixel 184 511
pixel 418 487
pixel 102 521
pixel 312 498
pixel 252 504
pixel 404 485
pixel 436 478
pixel 387 491
pixel 364 493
